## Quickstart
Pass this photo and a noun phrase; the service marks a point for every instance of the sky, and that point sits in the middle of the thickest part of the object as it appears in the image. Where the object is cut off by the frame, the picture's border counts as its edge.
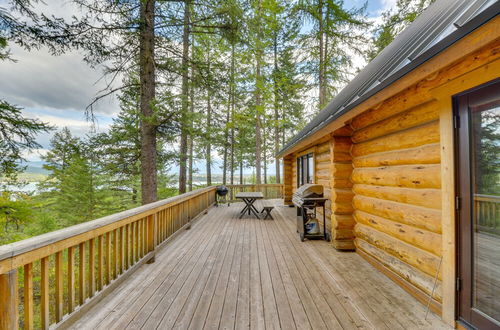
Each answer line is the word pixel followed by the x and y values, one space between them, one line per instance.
pixel 57 89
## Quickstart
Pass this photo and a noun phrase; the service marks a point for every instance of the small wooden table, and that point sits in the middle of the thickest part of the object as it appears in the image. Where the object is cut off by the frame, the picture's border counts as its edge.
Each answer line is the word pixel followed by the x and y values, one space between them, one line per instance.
pixel 249 198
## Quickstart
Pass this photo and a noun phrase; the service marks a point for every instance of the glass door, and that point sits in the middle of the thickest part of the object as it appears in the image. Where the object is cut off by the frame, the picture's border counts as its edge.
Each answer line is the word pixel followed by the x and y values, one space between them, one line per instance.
pixel 479 213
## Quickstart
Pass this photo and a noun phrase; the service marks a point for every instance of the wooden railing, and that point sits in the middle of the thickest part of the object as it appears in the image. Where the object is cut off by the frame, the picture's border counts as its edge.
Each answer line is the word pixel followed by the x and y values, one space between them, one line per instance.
pixel 487 208
pixel 270 191
pixel 54 278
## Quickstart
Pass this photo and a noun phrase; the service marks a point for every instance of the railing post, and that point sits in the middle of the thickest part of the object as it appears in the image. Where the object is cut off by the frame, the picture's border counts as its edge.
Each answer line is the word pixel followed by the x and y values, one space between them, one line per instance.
pixel 207 202
pixel 151 236
pixel 9 316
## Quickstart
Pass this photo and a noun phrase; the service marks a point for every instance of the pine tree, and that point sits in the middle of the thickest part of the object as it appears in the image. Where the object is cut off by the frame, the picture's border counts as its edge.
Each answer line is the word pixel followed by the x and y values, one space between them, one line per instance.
pixel 396 20
pixel 328 48
pixel 76 196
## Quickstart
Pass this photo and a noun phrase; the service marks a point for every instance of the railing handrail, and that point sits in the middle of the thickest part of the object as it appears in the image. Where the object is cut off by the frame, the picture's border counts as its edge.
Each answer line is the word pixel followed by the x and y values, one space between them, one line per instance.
pixel 252 184
pixel 33 243
pixel 487 198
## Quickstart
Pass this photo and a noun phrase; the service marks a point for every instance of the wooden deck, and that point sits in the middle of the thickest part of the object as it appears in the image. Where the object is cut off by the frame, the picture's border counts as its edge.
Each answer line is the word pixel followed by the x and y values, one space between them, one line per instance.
pixel 246 273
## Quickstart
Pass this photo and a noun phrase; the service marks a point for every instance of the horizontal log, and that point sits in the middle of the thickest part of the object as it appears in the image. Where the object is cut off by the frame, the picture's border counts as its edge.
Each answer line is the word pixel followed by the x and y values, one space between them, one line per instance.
pixel 324 157
pixel 412 255
pixel 343 131
pixel 409 273
pixel 323 182
pixel 341 183
pixel 408 176
pixel 341 144
pixel 342 234
pixel 342 208
pixel 342 195
pixel 416 116
pixel 343 245
pixel 423 239
pixel 322 166
pixel 338 156
pixel 324 179
pixel 410 138
pixel 426 154
pixel 405 100
pixel 324 173
pixel 342 221
pixel 430 198
pixel 416 216
pixel 341 170
pixel 324 147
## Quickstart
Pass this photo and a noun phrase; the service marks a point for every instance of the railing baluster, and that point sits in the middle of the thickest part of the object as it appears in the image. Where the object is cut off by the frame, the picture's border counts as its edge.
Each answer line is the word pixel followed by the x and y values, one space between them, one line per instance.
pixel 169 221
pixel 100 265
pixel 122 250
pixel 81 273
pixel 44 293
pixel 28 296
pixel 134 242
pixel 59 286
pixel 116 263
pixel 158 232
pixel 108 257
pixel 71 279
pixel 126 230
pixel 91 267
pixel 139 240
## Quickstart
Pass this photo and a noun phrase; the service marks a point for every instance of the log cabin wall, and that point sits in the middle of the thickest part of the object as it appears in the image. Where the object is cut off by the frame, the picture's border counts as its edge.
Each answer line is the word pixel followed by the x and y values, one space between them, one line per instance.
pixel 397 178
pixel 341 196
pixel 396 181
pixel 288 165
pixel 403 158
pixel 322 176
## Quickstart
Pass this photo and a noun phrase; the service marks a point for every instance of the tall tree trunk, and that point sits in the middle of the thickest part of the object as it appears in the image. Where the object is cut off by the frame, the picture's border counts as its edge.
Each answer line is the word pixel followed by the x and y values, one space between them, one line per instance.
pixel 258 99
pixel 147 81
pixel 322 80
pixel 191 112
pixel 185 90
pixel 264 147
pixel 226 142
pixel 232 112
pixel 276 110
pixel 241 167
pixel 325 55
pixel 283 136
pixel 208 133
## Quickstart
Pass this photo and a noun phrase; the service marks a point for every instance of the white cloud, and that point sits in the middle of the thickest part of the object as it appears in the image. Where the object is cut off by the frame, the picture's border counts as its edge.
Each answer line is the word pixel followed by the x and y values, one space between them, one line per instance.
pixel 35 155
pixel 387 4
pixel 41 80
pixel 58 121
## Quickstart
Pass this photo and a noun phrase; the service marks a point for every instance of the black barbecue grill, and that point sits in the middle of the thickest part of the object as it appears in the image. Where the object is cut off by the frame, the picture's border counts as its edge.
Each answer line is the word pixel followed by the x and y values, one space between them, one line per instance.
pixel 307 199
pixel 221 197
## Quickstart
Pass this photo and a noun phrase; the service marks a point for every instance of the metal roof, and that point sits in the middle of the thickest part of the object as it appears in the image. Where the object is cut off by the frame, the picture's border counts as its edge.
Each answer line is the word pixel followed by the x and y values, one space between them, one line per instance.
pixel 439 26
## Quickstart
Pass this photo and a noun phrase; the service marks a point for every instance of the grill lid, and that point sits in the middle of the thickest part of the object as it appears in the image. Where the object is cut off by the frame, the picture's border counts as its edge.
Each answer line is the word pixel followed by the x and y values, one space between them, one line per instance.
pixel 310 190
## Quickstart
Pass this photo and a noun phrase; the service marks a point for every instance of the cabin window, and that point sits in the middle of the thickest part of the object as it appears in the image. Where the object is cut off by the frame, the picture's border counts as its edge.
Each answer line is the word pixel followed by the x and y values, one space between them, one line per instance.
pixel 305 169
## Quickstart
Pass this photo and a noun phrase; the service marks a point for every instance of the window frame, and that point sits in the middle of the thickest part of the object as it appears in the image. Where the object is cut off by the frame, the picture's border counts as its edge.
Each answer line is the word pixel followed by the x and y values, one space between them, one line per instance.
pixel 305 168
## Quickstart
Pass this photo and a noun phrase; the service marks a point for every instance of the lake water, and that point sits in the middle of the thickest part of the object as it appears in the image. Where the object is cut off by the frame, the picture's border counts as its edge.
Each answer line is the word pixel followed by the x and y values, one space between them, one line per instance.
pixel 30 187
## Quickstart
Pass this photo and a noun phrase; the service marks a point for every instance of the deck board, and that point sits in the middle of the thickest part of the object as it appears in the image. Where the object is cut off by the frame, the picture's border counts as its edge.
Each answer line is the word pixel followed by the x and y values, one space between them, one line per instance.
pixel 230 273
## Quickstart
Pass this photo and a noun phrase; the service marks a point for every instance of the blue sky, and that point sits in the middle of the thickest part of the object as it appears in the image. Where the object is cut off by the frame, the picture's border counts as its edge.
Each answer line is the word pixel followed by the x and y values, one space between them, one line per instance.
pixel 58 89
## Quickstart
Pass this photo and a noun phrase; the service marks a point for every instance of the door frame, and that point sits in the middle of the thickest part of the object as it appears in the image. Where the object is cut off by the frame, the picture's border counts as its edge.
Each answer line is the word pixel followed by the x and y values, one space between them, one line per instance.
pixel 463 181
